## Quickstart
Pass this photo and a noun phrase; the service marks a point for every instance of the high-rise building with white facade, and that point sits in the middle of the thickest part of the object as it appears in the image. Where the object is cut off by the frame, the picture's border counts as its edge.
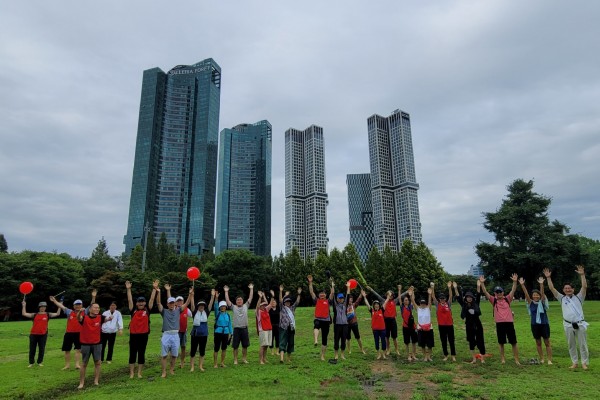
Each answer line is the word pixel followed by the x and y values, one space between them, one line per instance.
pixel 305 193
pixel 393 182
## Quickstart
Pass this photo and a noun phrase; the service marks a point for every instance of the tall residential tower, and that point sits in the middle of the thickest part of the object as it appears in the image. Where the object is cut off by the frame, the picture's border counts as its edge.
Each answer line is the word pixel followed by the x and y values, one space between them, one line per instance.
pixel 175 167
pixel 393 182
pixel 361 213
pixel 305 195
pixel 244 189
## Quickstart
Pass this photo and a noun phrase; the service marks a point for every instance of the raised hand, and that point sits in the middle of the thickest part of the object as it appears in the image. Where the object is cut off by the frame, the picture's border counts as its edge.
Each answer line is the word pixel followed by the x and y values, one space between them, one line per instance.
pixel 363 293
pixel 127 285
pixel 347 284
pixel 281 288
pixel 429 290
pixel 449 285
pixel 547 272
pixel 226 288
pixel 522 281
pixel 23 303
pixel 455 285
pixel 155 284
pixel 310 278
pixel 272 293
pixel 287 293
pixel 250 285
pixel 260 294
pixel 52 299
pixel 580 270
pixel 191 291
pixel 432 284
pixel 167 286
pixel 94 292
pixel 514 277
pixel 541 280
pixel 482 279
pixel 212 292
pixel 299 290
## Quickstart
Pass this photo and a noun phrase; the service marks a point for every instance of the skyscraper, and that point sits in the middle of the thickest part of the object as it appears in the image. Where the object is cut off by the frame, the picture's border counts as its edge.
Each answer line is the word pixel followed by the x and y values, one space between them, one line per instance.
pixel 244 189
pixel 393 181
pixel 174 172
pixel 361 213
pixel 305 195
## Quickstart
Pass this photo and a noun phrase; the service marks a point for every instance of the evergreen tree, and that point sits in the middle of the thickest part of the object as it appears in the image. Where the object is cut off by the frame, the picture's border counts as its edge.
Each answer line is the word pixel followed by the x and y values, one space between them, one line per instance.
pixel 3 244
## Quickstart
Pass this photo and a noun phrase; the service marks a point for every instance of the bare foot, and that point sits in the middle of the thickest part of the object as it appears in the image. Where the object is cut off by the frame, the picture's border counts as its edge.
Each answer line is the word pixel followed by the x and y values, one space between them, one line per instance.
pixel 364 352
pixel 202 369
pixel 172 372
pixel 453 359
pixel 475 360
pixel 322 358
pixel 573 366
pixel 584 366
pixel 445 358
pixel 139 376
pixel 482 360
pixel 384 357
pixel 397 353
pixel 192 369
pixel 80 386
pixel 502 361
pixel 77 366
pixel 216 366
pixel 379 357
pixel 235 362
pixel 163 375
pixel 130 376
pixel 223 365
pixel 549 362
pixel 66 367
pixel 262 363
pixel 409 358
pixel 96 383
pixel 343 358
pixel 245 361
pixel 517 362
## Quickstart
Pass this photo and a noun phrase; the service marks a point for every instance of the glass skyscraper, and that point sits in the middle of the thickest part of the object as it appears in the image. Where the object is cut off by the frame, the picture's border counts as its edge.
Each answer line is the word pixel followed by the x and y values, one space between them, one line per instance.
pixel 244 189
pixel 305 194
pixel 175 167
pixel 361 213
pixel 393 181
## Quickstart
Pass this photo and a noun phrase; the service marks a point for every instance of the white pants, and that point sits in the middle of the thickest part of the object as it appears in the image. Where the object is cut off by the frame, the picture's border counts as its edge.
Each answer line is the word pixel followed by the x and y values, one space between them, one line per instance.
pixel 574 336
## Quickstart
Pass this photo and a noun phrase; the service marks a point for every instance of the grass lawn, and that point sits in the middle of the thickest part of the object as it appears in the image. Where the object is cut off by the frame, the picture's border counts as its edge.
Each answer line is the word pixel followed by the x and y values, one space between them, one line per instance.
pixel 359 377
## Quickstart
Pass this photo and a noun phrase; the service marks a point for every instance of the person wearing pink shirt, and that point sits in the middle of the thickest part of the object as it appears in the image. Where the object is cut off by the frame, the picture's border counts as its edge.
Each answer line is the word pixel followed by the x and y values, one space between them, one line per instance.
pixel 503 316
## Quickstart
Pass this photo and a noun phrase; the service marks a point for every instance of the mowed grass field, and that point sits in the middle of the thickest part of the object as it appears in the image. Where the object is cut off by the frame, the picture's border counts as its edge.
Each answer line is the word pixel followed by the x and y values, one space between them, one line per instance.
pixel 358 377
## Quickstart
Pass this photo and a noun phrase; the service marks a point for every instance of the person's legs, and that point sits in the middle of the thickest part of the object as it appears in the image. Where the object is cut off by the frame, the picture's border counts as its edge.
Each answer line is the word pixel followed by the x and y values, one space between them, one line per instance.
pixel 143 342
pixel 104 341
pixel 343 334
pixel 538 346
pixel 451 341
pixel 548 350
pixel 443 330
pixel 572 343
pixel 324 335
pixel 97 368
pixel 283 343
pixel 111 345
pixel 203 341
pixel 291 336
pixel 194 342
pixel 388 333
pixel 337 331
pixel 42 346
pixel 86 351
pixel 583 347
pixel 316 328
pixel 32 349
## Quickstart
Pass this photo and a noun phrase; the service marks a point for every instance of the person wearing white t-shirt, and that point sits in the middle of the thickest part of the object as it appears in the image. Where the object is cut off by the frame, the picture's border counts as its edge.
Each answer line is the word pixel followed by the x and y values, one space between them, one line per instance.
pixel 110 327
pixel 573 319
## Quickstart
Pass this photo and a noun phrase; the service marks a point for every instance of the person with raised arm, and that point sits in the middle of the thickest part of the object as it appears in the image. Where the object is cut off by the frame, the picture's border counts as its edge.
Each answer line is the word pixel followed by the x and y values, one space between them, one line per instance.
pixel 223 330
pixel 573 320
pixel 170 327
pixel 322 319
pixel 445 322
pixel 91 343
pixel 424 331
pixel 471 313
pixel 139 329
pixel 377 324
pixel 537 306
pixel 275 314
pixel 183 324
pixel 263 326
pixel 503 316
pixel 199 333
pixel 340 327
pixel 71 336
pixel 390 313
pixel 353 322
pixel 39 331
pixel 287 324
pixel 110 328
pixel 240 323
pixel 409 328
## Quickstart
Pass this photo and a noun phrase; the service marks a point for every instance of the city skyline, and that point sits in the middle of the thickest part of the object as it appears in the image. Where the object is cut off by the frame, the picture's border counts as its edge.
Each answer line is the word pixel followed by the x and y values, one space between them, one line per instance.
pixel 489 97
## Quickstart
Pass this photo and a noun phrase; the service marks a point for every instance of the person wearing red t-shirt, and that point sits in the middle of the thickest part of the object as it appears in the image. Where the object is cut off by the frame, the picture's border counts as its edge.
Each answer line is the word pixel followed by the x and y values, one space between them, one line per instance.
pixel 322 319
pixel 445 322
pixel 263 326
pixel 503 316
pixel 91 343
pixel 391 326
pixel 139 329
pixel 71 337
pixel 39 331
pixel 377 324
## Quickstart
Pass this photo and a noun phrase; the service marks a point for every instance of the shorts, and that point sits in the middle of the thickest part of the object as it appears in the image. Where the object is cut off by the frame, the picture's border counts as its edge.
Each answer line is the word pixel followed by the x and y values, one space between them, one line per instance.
pixel 70 340
pixel 169 344
pixel 540 331
pixel 504 331
pixel 425 338
pixel 221 341
pixel 182 339
pixel 240 335
pixel 409 335
pixel 353 328
pixel 318 324
pixel 94 350
pixel 265 338
pixel 391 328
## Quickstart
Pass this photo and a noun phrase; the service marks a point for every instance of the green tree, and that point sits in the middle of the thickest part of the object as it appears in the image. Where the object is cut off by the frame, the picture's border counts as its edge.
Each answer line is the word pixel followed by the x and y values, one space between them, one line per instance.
pixel 525 241
pixel 3 244
pixel 99 262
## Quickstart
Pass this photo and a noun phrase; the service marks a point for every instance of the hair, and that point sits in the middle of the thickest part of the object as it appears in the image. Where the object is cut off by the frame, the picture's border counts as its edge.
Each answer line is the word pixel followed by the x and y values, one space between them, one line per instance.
pixel 569 284
pixel 114 302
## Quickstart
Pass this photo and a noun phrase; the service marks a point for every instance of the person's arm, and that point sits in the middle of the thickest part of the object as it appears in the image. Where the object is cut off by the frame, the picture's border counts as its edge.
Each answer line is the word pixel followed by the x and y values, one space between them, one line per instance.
pixel 357 302
pixel 514 278
pixel 399 298
pixel 24 311
pixel 411 293
pixel 281 294
pixel 258 302
pixel 226 290
pixel 59 305
pixel 168 289
pixel 159 304
pixel 450 293
pixel 129 297
pixel 94 293
pixel 381 299
pixel 120 322
pixel 310 287
pixel 347 299
pixel 583 290
pixel 212 300
pixel 152 295
pixel 458 295
pixel 298 297
pixel 524 289
pixel 251 295
pixel 541 282
pixel 366 300
pixel 482 286
pixel 547 274
pixel 189 298
pixel 331 292
pixel 192 301
pixel 430 291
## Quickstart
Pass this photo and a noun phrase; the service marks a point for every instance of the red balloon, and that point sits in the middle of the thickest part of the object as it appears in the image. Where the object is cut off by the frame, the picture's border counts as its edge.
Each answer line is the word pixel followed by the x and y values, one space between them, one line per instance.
pixel 352 283
pixel 193 273
pixel 25 287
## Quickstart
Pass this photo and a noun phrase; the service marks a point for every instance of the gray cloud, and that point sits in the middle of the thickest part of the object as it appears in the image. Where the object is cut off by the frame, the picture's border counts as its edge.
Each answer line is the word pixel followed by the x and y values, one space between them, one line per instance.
pixel 496 90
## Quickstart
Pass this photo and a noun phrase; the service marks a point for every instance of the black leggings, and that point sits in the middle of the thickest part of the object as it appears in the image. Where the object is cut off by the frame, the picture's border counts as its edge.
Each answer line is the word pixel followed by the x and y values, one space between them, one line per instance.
pixel 340 333
pixel 475 336
pixel 108 338
pixel 36 341
pixel 447 335
pixel 137 347
pixel 198 343
pixel 275 338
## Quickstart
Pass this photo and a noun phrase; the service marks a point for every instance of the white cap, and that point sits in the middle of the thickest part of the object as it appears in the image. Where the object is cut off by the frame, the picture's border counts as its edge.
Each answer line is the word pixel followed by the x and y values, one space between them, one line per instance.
pixel 222 304
pixel 171 300
pixel 78 302
pixel 179 298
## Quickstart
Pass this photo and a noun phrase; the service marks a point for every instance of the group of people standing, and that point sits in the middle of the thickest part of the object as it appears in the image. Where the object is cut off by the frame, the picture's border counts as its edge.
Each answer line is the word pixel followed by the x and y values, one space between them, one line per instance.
pixel 90 333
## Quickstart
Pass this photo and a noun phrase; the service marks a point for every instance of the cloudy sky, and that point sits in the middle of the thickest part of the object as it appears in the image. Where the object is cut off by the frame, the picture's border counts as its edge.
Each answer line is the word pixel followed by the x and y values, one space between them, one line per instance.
pixel 496 90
